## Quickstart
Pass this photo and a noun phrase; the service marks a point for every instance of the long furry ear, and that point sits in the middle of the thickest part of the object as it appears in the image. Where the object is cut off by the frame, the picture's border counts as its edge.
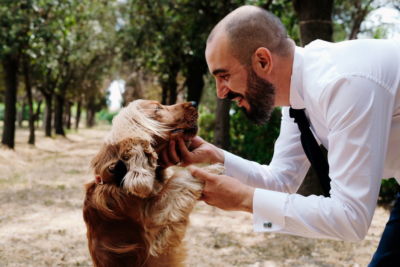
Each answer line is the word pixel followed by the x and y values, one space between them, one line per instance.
pixel 107 154
pixel 107 166
pixel 142 161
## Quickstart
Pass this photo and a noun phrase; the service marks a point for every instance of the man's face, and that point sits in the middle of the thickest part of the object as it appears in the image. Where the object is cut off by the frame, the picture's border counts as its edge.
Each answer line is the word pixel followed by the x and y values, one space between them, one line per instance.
pixel 239 83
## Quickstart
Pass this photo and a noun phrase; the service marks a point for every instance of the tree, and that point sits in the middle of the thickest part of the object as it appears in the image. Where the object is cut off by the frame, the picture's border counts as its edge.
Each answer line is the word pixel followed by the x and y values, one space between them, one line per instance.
pixel 10 65
pixel 12 39
pixel 169 39
pixel 315 19
pixel 63 59
pixel 48 42
pixel 349 15
pixel 28 88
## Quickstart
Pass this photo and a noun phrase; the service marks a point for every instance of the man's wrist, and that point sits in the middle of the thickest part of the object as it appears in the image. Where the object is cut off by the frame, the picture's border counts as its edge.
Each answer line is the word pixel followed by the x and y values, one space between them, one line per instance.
pixel 247 202
pixel 219 156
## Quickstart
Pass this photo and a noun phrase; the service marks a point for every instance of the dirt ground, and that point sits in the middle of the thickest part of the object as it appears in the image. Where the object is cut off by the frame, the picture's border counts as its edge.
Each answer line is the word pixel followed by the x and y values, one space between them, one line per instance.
pixel 41 195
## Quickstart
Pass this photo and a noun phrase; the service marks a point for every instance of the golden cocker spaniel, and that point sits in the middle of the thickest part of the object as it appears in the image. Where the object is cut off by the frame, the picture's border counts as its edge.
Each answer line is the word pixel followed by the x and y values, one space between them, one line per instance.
pixel 136 214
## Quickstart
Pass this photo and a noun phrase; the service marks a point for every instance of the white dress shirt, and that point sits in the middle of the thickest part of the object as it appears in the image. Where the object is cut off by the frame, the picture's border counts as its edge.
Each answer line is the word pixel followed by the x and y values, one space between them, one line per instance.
pixel 351 93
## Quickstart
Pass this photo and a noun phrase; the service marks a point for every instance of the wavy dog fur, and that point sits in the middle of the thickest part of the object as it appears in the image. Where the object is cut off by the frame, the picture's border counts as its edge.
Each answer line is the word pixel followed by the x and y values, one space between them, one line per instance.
pixel 136 214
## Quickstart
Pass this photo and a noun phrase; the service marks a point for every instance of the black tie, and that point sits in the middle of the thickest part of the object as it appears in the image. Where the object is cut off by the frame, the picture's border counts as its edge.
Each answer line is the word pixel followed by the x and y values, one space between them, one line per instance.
pixel 312 149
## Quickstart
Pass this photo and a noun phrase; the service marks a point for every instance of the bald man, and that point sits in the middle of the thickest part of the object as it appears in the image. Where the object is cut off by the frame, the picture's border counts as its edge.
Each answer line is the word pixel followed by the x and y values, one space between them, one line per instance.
pixel 351 95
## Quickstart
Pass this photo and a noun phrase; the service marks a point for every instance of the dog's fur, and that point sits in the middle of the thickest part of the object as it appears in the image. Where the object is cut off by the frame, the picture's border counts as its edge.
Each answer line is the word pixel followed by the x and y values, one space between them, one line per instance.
pixel 135 214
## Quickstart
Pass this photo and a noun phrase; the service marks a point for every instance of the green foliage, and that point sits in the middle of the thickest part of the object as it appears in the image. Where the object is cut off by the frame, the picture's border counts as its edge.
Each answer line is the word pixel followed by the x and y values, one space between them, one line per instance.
pixel 389 188
pixel 13 26
pixel 1 111
pixel 379 32
pixel 348 16
pixel 25 111
pixel 206 124
pixel 254 142
pixel 70 46
pixel 248 140
pixel 163 36
pixel 106 116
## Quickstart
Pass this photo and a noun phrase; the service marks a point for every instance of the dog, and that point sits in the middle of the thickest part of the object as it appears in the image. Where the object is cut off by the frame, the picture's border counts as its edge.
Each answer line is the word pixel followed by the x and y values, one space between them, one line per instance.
pixel 136 213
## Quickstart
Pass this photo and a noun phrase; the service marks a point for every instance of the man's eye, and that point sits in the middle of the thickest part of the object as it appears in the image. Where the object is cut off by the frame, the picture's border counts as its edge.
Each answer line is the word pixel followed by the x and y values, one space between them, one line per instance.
pixel 224 77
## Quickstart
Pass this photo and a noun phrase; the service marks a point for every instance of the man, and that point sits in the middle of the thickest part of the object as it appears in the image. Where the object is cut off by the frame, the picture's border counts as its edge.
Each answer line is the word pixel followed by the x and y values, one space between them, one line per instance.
pixel 351 95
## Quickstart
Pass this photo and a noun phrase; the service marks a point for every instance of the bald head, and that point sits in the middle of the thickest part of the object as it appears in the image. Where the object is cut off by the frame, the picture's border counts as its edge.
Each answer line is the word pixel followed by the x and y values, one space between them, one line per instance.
pixel 248 28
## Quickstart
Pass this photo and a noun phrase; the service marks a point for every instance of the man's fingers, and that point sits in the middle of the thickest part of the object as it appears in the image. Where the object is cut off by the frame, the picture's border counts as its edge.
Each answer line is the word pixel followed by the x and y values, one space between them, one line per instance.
pixel 196 142
pixel 172 152
pixel 200 174
pixel 185 153
pixel 164 159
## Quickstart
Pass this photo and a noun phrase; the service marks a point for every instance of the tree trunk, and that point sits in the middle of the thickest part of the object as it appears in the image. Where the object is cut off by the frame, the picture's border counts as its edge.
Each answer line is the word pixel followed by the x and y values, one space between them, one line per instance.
pixel 78 114
pixel 20 113
pixel 169 85
pixel 221 137
pixel 133 88
pixel 315 23
pixel 67 117
pixel 28 87
pixel 194 80
pixel 58 115
pixel 48 114
pixel 164 93
pixel 10 67
pixel 90 114
pixel 358 17
pixel 37 113
pixel 315 19
pixel 90 118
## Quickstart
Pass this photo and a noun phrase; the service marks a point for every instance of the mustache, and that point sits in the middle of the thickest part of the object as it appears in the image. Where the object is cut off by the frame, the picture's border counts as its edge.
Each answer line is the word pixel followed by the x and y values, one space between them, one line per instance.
pixel 231 95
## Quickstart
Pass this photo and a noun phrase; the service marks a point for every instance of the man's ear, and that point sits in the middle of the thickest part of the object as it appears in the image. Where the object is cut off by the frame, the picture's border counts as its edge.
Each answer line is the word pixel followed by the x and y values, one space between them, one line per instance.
pixel 262 61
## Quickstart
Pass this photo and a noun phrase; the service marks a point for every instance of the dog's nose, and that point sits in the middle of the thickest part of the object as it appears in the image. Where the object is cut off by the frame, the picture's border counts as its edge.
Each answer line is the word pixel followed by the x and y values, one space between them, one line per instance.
pixel 193 103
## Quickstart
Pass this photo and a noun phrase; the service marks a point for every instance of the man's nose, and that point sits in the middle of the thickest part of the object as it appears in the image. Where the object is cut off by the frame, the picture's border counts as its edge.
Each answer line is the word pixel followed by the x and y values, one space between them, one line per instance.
pixel 222 90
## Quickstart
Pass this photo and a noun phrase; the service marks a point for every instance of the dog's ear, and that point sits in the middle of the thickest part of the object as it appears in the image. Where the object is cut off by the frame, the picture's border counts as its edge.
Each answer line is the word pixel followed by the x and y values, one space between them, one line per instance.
pixel 141 159
pixel 108 168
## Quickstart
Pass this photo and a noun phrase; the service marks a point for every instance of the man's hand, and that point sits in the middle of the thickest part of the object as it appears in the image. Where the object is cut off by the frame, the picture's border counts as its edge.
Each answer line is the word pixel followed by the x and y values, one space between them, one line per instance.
pixel 199 151
pixel 224 192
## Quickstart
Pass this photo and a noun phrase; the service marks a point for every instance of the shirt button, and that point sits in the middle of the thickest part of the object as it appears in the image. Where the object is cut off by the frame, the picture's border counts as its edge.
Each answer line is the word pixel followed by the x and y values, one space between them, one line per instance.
pixel 267 224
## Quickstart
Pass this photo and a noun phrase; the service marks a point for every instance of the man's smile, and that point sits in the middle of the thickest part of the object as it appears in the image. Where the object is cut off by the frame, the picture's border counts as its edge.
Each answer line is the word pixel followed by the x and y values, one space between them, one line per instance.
pixel 239 101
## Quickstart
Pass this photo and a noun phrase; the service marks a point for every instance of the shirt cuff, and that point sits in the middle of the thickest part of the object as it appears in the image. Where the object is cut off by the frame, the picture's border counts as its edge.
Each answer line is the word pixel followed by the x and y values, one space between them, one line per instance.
pixel 268 210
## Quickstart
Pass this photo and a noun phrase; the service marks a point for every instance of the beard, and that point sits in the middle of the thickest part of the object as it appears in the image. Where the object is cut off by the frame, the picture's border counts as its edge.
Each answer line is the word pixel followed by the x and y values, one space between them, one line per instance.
pixel 260 95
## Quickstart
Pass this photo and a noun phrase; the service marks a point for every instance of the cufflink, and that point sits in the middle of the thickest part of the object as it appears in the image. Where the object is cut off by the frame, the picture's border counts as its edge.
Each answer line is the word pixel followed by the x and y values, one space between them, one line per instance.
pixel 267 224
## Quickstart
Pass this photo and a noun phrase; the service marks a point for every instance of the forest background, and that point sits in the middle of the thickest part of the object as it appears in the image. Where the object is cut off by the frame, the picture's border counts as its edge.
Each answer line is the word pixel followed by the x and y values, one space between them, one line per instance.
pixel 59 57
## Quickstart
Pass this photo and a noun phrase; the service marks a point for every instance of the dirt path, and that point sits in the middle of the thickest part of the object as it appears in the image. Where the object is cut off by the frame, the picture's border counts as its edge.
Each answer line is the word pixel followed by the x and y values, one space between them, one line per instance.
pixel 41 194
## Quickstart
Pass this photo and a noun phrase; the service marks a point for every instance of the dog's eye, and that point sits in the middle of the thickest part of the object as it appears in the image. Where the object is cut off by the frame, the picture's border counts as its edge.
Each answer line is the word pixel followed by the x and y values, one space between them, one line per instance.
pixel 111 167
pixel 125 157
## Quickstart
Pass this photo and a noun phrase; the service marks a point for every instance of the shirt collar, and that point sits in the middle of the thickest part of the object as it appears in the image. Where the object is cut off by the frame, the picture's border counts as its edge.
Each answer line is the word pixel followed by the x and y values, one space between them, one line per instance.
pixel 296 83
